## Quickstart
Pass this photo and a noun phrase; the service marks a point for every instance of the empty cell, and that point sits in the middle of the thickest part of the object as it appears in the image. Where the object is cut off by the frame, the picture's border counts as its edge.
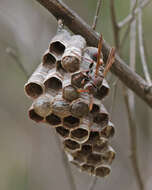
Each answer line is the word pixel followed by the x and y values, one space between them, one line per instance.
pixel 109 155
pixel 100 145
pixel 79 134
pixel 34 116
pixel 101 119
pixel 87 168
pixel 33 89
pixel 53 83
pixel 53 119
pixel 93 137
pixel 59 42
pixel 102 171
pixel 93 159
pixel 95 109
pixel 71 144
pixel 62 131
pixel 57 47
pixel 71 122
pixel 103 91
pixel 79 157
pixel 49 60
pixel 86 149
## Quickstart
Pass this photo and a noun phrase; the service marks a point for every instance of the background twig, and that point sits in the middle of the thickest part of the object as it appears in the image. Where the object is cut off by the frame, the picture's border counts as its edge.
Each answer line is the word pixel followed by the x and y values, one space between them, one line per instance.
pixel 114 24
pixel 141 47
pixel 96 14
pixel 129 18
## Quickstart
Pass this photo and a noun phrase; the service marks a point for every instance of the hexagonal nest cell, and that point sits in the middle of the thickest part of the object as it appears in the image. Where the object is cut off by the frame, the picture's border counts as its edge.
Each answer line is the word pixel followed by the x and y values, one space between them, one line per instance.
pixel 108 131
pixel 87 168
pixel 101 119
pixel 86 149
pixel 93 159
pixel 102 171
pixel 71 144
pixel 70 93
pixel 33 90
pixel 49 60
pixel 34 116
pixel 79 108
pixel 101 92
pixel 53 119
pixel 53 83
pixel 77 79
pixel 57 47
pixel 93 137
pixel 62 131
pixel 79 133
pixel 100 146
pixel 71 122
pixel 70 63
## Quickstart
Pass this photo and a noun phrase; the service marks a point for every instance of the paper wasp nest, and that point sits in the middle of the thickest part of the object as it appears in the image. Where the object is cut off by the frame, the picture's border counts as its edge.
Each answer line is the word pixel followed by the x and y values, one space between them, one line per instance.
pixel 57 101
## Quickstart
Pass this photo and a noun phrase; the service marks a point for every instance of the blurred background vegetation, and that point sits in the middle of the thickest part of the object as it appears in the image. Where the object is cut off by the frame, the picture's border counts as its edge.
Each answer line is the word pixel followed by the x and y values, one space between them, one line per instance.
pixel 29 157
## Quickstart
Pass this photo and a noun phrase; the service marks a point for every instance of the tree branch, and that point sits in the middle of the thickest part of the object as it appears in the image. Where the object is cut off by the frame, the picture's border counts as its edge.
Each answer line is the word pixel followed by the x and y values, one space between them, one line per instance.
pixel 116 29
pixel 119 68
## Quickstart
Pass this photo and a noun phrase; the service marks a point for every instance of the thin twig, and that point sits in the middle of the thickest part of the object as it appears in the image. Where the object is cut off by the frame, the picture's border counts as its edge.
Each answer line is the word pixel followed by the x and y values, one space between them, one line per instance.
pixel 133 140
pixel 96 14
pixel 130 28
pixel 65 162
pixel 93 183
pixel 132 61
pixel 114 93
pixel 114 24
pixel 122 43
pixel 141 48
pixel 129 18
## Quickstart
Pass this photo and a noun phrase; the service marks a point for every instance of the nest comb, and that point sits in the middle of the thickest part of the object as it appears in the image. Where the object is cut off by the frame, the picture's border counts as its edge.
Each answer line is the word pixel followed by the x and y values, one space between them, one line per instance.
pixel 57 101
